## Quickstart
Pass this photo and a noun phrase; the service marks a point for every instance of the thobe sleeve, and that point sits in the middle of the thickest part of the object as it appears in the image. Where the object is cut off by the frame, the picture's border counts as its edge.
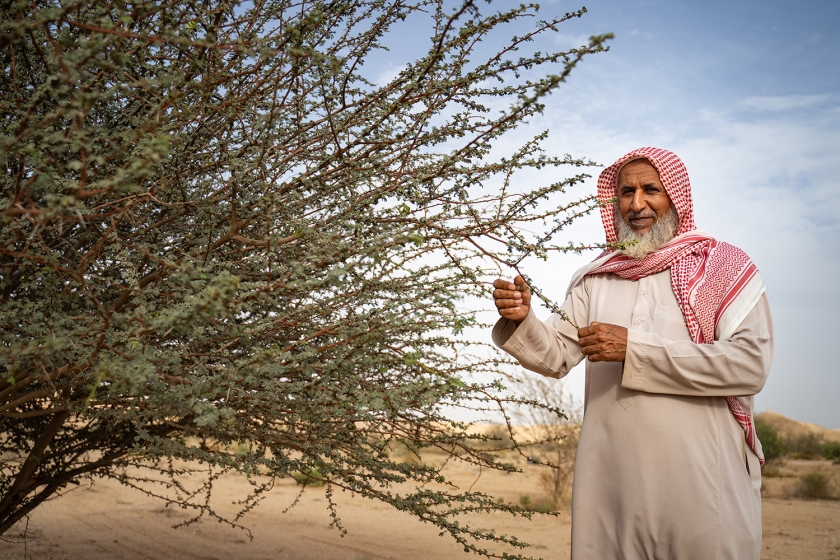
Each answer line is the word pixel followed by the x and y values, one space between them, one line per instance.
pixel 550 348
pixel 737 366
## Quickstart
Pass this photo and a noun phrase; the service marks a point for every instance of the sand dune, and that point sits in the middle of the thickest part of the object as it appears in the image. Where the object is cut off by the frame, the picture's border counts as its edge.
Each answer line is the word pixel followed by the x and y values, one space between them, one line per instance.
pixel 790 427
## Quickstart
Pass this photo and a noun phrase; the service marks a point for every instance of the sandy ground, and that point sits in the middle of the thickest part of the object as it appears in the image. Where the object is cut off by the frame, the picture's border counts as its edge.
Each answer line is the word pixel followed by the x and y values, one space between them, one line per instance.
pixel 799 529
pixel 108 521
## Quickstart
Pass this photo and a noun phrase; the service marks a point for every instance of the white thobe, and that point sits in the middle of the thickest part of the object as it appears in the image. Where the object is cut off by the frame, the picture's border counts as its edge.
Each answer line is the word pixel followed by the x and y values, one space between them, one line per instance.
pixel 663 470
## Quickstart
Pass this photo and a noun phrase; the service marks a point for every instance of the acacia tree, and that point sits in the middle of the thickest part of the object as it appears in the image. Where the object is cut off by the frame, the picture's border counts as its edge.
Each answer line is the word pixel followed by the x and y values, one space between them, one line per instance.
pixel 219 232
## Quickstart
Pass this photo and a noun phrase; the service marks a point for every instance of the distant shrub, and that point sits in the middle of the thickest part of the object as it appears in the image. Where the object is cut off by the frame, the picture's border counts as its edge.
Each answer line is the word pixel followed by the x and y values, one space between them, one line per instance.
pixel 831 450
pixel 772 443
pixel 309 477
pixel 771 470
pixel 539 505
pixel 814 485
pixel 805 446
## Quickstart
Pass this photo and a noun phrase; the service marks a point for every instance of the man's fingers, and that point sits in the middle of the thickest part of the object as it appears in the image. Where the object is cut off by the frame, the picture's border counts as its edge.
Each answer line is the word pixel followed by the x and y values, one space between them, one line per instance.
pixel 521 284
pixel 512 303
pixel 507 303
pixel 506 294
pixel 591 351
pixel 590 330
pixel 592 354
pixel 590 342
pixel 514 313
pixel 603 342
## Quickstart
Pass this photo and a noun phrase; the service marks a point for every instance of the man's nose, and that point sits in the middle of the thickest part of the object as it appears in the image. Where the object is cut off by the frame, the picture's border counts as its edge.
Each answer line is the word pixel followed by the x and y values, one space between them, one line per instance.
pixel 639 203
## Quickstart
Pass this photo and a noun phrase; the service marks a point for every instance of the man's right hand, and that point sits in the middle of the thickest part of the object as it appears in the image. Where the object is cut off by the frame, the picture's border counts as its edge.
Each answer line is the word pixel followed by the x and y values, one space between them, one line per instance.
pixel 513 300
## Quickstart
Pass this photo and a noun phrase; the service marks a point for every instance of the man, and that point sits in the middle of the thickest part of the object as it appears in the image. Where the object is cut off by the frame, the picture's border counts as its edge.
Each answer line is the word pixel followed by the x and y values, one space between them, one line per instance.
pixel 678 335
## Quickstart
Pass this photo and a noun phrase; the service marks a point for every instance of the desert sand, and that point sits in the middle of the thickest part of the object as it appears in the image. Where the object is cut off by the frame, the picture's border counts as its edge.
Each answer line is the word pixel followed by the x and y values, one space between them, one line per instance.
pixel 108 521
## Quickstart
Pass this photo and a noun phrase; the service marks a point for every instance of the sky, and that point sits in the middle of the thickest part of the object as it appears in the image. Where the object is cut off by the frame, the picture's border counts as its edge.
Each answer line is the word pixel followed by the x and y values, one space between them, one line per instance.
pixel 748 95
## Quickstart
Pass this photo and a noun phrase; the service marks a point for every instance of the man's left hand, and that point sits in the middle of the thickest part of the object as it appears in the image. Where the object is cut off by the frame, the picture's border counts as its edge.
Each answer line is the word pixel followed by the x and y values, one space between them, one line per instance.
pixel 603 342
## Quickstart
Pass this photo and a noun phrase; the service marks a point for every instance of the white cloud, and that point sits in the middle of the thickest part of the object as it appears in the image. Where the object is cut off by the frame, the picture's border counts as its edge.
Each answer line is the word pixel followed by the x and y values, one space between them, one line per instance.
pixel 388 74
pixel 567 41
pixel 784 102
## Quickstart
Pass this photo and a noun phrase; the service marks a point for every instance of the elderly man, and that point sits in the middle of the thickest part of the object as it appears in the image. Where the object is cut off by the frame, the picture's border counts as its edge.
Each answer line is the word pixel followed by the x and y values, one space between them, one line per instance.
pixel 678 335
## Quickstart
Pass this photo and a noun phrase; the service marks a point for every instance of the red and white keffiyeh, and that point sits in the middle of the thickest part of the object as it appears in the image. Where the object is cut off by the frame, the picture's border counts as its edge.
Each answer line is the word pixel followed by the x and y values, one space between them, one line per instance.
pixel 715 283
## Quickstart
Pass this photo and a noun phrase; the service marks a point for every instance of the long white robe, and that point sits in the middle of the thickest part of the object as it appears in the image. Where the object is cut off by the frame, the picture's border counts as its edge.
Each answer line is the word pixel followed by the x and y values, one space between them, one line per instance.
pixel 662 470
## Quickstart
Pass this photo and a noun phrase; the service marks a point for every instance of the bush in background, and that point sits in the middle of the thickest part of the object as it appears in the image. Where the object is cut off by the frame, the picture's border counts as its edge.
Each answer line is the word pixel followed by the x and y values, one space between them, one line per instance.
pixel 804 446
pixel 831 450
pixel 814 485
pixel 541 505
pixel 772 443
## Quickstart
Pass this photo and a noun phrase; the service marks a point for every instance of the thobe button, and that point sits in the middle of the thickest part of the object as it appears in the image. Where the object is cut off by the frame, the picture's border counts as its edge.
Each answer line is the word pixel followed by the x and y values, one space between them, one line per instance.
pixel 639 322
pixel 644 292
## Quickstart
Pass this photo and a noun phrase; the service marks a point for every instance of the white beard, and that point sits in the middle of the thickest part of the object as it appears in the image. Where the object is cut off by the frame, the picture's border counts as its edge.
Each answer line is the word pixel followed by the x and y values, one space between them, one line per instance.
pixel 660 233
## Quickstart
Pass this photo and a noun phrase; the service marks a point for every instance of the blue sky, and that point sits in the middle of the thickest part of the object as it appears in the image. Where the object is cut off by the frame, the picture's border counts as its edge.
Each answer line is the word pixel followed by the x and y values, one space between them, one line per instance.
pixel 747 94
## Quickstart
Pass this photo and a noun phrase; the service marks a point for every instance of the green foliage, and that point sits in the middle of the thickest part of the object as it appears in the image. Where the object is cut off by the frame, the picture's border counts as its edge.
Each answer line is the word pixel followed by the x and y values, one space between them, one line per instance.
pixel 310 477
pixel 804 446
pixel 539 505
pixel 218 231
pixel 772 443
pixel 815 485
pixel 831 450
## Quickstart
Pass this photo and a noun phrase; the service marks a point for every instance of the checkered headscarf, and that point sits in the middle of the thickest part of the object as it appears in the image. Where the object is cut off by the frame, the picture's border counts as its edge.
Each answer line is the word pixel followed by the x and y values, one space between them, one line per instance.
pixel 672 173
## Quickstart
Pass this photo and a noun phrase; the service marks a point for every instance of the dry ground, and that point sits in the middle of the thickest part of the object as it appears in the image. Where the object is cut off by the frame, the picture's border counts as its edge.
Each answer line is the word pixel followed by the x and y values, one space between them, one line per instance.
pixel 108 521
pixel 795 528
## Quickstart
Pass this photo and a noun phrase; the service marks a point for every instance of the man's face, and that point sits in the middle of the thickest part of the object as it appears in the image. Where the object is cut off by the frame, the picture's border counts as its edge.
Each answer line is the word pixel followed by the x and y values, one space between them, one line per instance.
pixel 642 199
